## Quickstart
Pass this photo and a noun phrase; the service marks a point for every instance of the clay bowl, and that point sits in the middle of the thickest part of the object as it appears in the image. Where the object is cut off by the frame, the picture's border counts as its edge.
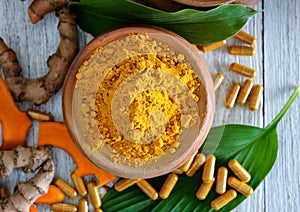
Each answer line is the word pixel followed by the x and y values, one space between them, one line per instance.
pixel 81 90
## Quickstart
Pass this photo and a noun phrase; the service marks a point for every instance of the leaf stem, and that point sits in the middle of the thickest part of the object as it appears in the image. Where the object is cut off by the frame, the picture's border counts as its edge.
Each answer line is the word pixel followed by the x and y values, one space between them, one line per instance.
pixel 285 108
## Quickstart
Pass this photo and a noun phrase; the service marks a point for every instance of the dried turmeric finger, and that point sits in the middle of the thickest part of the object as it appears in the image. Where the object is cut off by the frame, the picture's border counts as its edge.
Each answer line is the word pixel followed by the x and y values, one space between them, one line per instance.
pixel 13 134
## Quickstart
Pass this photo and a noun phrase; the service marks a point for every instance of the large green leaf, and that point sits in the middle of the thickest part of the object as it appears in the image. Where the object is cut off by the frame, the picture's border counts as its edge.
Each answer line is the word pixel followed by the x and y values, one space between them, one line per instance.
pixel 255 148
pixel 198 27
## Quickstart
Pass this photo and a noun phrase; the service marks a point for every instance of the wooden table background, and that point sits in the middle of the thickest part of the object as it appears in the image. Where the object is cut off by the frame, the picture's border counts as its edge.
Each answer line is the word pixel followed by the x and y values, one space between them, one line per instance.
pixel 277 61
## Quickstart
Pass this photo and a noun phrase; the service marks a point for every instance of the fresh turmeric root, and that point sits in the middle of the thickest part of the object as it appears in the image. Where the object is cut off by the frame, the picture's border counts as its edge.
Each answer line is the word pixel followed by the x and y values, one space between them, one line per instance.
pixel 39 8
pixel 41 89
pixel 26 193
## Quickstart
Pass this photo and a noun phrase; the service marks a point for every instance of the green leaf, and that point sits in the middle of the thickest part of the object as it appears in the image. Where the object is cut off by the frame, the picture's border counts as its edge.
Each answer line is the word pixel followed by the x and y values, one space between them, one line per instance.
pixel 198 27
pixel 255 148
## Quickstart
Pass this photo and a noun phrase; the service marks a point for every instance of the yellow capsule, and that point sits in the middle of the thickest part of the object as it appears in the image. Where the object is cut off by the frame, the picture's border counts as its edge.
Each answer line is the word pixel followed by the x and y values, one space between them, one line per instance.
pixel 83 205
pixel 79 184
pixel 66 188
pixel 63 207
pixel 241 50
pixel 218 79
pixel 94 194
pixel 245 37
pixel 3 192
pixel 98 210
pixel 197 163
pixel 223 200
pixel 213 46
pixel 38 115
pixel 168 186
pixel 124 183
pixel 240 186
pixel 232 95
pixel 209 169
pixel 255 97
pixel 177 171
pixel 244 92
pixel 204 189
pixel 187 164
pixel 242 70
pixel 239 171
pixel 221 180
pixel 147 189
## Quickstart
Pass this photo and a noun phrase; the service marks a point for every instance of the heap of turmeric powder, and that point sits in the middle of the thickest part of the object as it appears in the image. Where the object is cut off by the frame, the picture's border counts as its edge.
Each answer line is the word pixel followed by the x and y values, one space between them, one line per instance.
pixel 139 101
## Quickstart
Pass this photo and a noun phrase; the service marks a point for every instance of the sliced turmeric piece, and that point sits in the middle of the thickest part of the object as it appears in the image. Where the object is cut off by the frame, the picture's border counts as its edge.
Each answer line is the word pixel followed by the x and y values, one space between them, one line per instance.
pixel 13 133
pixel 56 134
pixel 54 195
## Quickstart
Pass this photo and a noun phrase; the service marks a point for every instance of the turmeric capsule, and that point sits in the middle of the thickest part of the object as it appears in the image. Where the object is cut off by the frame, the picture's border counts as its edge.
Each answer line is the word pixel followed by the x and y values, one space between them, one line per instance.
pixel 63 207
pixel 232 95
pixel 197 163
pixel 223 200
pixel 221 180
pixel 168 186
pixel 38 115
pixel 83 205
pixel 66 188
pixel 209 169
pixel 79 184
pixel 124 183
pixel 213 46
pixel 204 189
pixel 94 194
pixel 177 171
pixel 240 186
pixel 218 79
pixel 255 97
pixel 239 171
pixel 98 210
pixel 147 189
pixel 241 50
pixel 242 70
pixel 187 164
pixel 245 37
pixel 244 92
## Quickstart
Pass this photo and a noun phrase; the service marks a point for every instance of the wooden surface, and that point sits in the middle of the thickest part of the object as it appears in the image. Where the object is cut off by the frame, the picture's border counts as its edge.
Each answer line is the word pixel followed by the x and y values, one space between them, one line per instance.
pixel 277 60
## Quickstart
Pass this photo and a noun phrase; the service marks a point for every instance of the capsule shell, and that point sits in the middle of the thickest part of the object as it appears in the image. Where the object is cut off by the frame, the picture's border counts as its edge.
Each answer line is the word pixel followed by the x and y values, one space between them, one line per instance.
pixel 63 207
pixel 232 95
pixel 177 171
pixel 255 97
pixel 98 210
pixel 187 164
pixel 124 183
pixel 221 180
pixel 244 92
pixel 94 194
pixel 239 171
pixel 213 46
pixel 223 200
pixel 241 50
pixel 240 186
pixel 168 186
pixel 66 188
pixel 209 169
pixel 83 205
pixel 204 189
pixel 147 189
pixel 79 184
pixel 245 37
pixel 197 163
pixel 242 70
pixel 39 115
pixel 218 79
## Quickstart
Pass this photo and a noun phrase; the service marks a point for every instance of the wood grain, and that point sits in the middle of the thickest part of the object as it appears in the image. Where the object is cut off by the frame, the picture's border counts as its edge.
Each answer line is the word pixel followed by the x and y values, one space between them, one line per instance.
pixel 277 61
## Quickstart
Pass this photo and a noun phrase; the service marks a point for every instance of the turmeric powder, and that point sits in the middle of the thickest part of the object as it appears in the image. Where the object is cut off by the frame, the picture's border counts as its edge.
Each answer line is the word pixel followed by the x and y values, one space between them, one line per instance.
pixel 141 99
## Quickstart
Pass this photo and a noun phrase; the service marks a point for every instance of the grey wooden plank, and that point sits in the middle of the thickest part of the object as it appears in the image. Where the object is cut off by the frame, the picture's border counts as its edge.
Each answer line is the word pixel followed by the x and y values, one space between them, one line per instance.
pixel 282 53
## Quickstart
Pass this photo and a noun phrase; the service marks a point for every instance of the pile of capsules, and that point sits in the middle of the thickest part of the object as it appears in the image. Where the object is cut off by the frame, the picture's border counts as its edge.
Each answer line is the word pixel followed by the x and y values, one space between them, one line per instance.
pixel 91 189
pixel 190 167
pixel 239 94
